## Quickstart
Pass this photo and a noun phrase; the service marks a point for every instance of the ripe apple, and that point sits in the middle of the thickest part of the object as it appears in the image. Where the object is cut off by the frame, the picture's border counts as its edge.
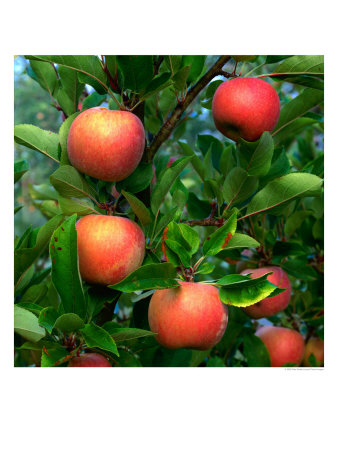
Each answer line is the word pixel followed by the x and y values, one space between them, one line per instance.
pixel 283 344
pixel 109 248
pixel 105 144
pixel 271 305
pixel 245 108
pixel 189 316
pixel 89 360
pixel 314 345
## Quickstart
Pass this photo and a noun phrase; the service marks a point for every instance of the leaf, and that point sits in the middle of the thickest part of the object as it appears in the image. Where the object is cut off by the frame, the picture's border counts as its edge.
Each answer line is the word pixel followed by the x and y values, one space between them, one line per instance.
pixel 69 91
pixel 191 237
pixel 54 356
pixel 150 276
pixel 271 59
pixel 47 318
pixel 302 64
pixel 195 161
pixel 79 206
pixel 255 157
pixel 218 240
pixel 93 100
pixel 37 139
pixel 95 336
pixel 120 334
pixel 239 240
pixel 196 63
pixel 215 361
pixel 25 257
pixel 294 221
pixel 180 78
pixel 238 186
pixel 288 134
pixel 139 180
pixel 137 71
pixel 166 181
pixel 180 251
pixel 42 192
pixel 206 268
pixel 31 307
pixel 165 220
pixel 65 268
pixel 299 269
pixel 255 351
pixel 297 107
pixel 139 208
pixel 20 167
pixel 283 190
pixel 157 84
pixel 27 325
pixel 69 182
pixel 206 102
pixel 280 166
pixel 45 75
pixel 63 136
pixel 69 322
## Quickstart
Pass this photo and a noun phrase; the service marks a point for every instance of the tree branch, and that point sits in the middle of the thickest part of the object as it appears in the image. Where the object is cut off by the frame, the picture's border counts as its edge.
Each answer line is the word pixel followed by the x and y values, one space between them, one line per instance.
pixel 171 122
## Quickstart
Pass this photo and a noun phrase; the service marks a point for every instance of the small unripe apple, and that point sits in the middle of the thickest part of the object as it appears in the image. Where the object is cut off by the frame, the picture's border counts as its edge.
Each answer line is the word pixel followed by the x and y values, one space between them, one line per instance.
pixel 109 248
pixel 89 360
pixel 283 344
pixel 245 108
pixel 105 144
pixel 271 305
pixel 314 346
pixel 189 316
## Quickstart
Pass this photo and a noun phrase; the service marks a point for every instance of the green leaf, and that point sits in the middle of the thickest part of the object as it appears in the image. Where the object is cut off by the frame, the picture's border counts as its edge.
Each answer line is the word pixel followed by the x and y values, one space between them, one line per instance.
pixel 294 221
pixel 139 208
pixel 283 190
pixel 191 237
pixel 69 322
pixel 280 166
pixel 37 139
pixel 79 206
pixel 157 84
pixel 215 361
pixel 69 91
pixel 93 100
pixel 239 240
pixel 219 240
pixel 302 64
pixel 238 186
pixel 47 318
pixel 165 220
pixel 31 307
pixel 63 136
pixel 27 325
pixel 297 107
pixel 25 257
pixel 173 62
pixel 95 336
pixel 206 102
pixel 255 157
pixel 195 161
pixel 45 75
pixel 69 182
pixel 54 356
pixel 300 270
pixel 255 351
pixel 196 63
pixel 17 209
pixel 138 180
pixel 120 334
pixel 180 251
pixel 137 71
pixel 42 192
pixel 226 162
pixel 65 268
pixel 150 276
pixel 165 182
pixel 288 134
pixel 206 268
pixel 180 78
pixel 20 167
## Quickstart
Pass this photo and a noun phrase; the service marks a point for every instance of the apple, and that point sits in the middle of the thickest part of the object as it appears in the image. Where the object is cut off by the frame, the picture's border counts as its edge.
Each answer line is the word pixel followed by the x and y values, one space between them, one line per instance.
pixel 314 346
pixel 189 316
pixel 105 144
pixel 283 344
pixel 245 108
pixel 89 360
pixel 109 248
pixel 271 305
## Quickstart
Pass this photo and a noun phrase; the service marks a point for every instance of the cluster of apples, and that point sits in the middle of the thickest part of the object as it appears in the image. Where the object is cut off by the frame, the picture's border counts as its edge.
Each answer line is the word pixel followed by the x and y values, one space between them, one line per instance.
pixel 108 145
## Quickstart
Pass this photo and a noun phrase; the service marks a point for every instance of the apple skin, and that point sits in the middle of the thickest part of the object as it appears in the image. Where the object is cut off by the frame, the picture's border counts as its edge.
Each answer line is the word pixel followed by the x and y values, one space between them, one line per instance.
pixel 284 345
pixel 271 305
pixel 109 248
pixel 105 144
pixel 190 316
pixel 89 360
pixel 314 345
pixel 245 108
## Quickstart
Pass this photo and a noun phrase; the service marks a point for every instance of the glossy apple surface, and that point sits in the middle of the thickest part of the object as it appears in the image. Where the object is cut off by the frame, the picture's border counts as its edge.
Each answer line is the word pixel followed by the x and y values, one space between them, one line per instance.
pixel 314 346
pixel 245 108
pixel 105 144
pixel 190 316
pixel 109 248
pixel 89 360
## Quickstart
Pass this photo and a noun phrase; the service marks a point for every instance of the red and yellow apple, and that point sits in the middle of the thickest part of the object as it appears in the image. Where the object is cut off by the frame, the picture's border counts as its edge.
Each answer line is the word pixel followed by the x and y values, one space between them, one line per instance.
pixel 271 305
pixel 245 108
pixel 283 344
pixel 314 346
pixel 105 144
pixel 109 248
pixel 89 360
pixel 189 316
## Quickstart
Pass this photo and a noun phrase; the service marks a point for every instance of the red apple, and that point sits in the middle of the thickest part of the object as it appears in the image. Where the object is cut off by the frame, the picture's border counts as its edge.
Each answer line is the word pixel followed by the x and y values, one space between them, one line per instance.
pixel 245 108
pixel 109 248
pixel 189 316
pixel 89 360
pixel 105 144
pixel 314 346
pixel 271 305
pixel 283 344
